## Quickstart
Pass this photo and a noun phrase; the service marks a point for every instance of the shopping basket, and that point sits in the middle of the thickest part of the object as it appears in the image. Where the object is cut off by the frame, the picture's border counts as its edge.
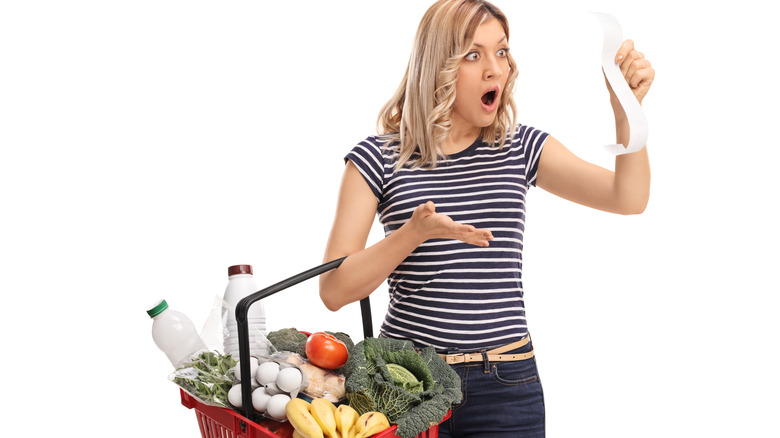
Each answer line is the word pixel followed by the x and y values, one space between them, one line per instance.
pixel 218 422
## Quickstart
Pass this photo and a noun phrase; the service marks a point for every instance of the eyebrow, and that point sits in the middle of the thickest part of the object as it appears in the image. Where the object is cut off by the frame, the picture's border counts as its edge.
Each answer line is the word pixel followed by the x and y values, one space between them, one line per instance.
pixel 481 46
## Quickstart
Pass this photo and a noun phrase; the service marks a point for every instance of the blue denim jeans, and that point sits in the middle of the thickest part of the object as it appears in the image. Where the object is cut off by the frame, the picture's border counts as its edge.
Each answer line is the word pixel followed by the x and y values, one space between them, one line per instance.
pixel 500 399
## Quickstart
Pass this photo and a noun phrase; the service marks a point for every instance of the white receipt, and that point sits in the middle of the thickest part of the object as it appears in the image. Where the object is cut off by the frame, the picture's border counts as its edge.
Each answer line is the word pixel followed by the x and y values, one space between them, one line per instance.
pixel 637 122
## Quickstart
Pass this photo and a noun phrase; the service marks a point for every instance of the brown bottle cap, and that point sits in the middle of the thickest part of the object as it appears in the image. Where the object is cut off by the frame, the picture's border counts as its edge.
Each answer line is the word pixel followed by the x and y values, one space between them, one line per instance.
pixel 239 269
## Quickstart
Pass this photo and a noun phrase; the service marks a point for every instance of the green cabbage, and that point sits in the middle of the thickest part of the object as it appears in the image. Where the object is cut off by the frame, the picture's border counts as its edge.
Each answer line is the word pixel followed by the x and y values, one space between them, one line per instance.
pixel 377 381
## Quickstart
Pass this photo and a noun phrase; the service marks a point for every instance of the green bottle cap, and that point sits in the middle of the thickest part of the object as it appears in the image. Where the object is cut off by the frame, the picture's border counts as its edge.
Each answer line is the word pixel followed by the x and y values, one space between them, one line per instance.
pixel 157 309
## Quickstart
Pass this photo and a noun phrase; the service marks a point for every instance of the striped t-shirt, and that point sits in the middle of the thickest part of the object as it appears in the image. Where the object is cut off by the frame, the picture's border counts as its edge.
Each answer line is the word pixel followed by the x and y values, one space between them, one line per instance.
pixel 447 293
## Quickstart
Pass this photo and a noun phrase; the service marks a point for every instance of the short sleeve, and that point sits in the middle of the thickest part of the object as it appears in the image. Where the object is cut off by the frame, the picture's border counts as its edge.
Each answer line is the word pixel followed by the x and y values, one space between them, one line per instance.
pixel 532 141
pixel 367 157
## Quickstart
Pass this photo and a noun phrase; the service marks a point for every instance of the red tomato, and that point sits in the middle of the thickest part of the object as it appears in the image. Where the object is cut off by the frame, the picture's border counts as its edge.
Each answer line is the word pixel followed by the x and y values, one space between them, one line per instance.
pixel 326 351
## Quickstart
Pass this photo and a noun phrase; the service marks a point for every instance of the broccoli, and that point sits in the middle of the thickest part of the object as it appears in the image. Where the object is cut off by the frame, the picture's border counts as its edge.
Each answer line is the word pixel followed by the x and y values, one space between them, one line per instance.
pixel 373 386
pixel 288 339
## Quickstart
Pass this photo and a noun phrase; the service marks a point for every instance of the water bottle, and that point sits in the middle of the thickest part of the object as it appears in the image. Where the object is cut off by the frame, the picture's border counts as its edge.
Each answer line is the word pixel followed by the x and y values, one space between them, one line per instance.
pixel 175 334
pixel 241 283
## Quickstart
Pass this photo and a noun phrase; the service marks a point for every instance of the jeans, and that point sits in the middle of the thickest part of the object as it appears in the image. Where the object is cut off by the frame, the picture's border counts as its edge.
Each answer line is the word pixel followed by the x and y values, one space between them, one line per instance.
pixel 500 399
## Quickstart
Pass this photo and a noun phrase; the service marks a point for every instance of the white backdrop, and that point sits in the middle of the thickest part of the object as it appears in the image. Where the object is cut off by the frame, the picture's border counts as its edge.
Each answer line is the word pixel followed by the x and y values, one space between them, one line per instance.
pixel 148 145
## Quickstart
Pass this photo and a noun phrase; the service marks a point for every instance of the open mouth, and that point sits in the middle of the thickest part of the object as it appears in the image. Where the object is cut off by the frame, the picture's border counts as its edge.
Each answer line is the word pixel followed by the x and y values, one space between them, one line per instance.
pixel 489 97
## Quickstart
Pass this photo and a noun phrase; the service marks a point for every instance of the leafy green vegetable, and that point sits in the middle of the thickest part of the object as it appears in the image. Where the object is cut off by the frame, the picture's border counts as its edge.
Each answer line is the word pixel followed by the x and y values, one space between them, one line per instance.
pixel 208 377
pixel 288 339
pixel 404 378
pixel 373 384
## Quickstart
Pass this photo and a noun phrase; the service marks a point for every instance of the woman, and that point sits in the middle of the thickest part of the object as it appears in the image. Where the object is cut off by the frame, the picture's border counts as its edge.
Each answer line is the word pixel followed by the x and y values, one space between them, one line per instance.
pixel 448 175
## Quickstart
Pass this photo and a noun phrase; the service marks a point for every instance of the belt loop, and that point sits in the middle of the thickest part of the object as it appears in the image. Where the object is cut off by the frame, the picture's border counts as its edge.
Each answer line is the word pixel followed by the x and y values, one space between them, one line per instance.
pixel 485 361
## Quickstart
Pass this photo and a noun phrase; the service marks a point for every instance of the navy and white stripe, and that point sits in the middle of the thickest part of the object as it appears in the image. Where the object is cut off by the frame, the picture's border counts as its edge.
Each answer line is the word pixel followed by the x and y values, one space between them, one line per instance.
pixel 447 293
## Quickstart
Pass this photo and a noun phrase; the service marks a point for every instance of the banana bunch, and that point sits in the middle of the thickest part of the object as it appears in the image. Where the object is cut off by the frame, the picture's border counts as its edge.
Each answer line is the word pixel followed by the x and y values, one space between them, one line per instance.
pixel 321 419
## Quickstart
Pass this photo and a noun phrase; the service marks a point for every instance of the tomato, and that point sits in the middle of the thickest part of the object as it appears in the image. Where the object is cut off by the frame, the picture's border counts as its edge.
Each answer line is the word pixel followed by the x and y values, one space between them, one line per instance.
pixel 326 351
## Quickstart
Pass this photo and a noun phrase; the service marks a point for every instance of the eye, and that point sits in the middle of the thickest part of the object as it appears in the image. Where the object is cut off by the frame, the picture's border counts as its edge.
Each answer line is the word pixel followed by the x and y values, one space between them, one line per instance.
pixel 473 56
pixel 502 53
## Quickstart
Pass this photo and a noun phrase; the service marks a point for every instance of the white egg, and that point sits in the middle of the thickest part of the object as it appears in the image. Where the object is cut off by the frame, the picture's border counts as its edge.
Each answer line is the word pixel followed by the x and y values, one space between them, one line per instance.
pixel 276 406
pixel 260 399
pixel 266 372
pixel 272 389
pixel 253 365
pixel 289 379
pixel 234 396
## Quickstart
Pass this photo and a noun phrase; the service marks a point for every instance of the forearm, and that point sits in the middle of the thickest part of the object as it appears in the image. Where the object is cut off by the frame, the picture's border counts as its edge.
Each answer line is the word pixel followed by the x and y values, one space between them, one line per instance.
pixel 363 271
pixel 632 171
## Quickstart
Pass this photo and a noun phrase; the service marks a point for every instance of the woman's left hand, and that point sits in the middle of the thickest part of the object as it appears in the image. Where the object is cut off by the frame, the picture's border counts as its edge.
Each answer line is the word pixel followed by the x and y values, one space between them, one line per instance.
pixel 635 68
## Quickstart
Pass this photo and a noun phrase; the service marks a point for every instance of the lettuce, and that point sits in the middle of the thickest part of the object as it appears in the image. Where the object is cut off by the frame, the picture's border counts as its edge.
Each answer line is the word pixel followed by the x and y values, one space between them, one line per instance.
pixel 371 386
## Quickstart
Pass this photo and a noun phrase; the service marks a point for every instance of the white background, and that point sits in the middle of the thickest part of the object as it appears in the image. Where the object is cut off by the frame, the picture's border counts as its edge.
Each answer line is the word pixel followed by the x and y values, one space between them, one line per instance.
pixel 148 145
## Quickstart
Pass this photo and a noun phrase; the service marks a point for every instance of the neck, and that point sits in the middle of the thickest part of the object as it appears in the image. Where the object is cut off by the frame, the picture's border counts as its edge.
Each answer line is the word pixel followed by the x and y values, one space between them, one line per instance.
pixel 460 138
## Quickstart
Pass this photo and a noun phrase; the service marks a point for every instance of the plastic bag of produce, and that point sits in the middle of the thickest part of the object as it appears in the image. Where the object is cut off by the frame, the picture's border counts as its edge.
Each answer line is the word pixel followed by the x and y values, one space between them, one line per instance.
pixel 207 377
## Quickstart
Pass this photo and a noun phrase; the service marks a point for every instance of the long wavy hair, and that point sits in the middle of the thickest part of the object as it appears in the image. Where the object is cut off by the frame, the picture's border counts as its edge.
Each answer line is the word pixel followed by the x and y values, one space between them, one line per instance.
pixel 418 118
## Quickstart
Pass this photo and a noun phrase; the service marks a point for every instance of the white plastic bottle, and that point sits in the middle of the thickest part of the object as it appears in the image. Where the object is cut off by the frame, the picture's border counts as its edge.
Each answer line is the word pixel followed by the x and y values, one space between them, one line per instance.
pixel 175 334
pixel 241 283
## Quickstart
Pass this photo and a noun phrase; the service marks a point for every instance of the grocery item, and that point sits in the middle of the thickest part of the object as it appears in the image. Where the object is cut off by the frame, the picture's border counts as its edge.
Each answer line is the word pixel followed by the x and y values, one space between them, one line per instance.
pixel 345 417
pixel 321 418
pixel 241 283
pixel 326 351
pixel 318 382
pixel 289 379
pixel 323 412
pixel 372 386
pixel 299 414
pixel 174 333
pixel 370 423
pixel 277 405
pixel 208 377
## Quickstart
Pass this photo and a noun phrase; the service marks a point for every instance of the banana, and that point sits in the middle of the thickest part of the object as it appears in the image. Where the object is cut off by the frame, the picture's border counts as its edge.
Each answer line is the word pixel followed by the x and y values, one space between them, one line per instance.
pixel 346 417
pixel 370 423
pixel 322 411
pixel 351 433
pixel 298 414
pixel 296 434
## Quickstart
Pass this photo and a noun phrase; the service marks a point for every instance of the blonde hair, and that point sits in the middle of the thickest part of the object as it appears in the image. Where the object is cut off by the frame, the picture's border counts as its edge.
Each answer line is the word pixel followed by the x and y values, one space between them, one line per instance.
pixel 418 118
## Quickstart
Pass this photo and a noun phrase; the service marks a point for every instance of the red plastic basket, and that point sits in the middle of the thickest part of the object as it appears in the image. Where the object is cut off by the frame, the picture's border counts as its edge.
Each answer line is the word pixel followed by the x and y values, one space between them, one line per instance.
pixel 218 422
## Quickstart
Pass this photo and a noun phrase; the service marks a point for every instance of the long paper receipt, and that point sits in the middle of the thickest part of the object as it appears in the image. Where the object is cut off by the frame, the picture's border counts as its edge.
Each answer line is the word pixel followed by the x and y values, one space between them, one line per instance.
pixel 637 122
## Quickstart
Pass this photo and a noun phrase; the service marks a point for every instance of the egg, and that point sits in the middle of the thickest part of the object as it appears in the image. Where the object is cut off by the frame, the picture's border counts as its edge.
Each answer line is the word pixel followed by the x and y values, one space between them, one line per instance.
pixel 272 389
pixel 289 379
pixel 234 396
pixel 267 372
pixel 253 365
pixel 276 406
pixel 260 399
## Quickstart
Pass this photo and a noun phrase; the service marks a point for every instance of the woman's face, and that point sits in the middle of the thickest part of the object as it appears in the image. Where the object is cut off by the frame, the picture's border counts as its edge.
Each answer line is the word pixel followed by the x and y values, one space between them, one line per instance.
pixel 482 77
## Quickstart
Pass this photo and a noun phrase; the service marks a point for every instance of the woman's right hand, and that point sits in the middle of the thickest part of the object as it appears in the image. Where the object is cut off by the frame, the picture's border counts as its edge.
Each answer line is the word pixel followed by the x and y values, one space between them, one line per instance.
pixel 427 224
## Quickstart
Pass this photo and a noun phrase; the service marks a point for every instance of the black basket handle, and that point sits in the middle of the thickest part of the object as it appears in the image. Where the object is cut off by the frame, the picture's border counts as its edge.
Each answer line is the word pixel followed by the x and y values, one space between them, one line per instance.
pixel 242 311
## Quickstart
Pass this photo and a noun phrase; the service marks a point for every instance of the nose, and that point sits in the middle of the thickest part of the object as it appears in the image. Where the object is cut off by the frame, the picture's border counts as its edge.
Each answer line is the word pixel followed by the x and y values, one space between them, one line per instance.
pixel 492 69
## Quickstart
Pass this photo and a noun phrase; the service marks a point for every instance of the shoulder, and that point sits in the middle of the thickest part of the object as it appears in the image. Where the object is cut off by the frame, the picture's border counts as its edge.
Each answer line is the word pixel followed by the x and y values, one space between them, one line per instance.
pixel 527 136
pixel 377 145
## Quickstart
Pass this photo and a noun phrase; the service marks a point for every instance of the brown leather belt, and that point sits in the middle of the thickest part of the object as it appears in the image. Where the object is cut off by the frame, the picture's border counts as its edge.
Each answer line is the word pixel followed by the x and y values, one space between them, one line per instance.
pixel 493 355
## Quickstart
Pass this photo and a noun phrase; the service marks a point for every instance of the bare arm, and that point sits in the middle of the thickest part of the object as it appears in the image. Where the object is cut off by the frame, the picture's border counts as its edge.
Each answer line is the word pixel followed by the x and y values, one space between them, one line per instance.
pixel 366 268
pixel 627 189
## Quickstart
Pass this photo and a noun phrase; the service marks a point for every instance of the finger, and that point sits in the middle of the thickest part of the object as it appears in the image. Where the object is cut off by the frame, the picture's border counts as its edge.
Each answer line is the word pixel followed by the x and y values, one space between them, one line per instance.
pixel 426 209
pixel 636 66
pixel 644 77
pixel 624 50
pixel 480 236
pixel 632 57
